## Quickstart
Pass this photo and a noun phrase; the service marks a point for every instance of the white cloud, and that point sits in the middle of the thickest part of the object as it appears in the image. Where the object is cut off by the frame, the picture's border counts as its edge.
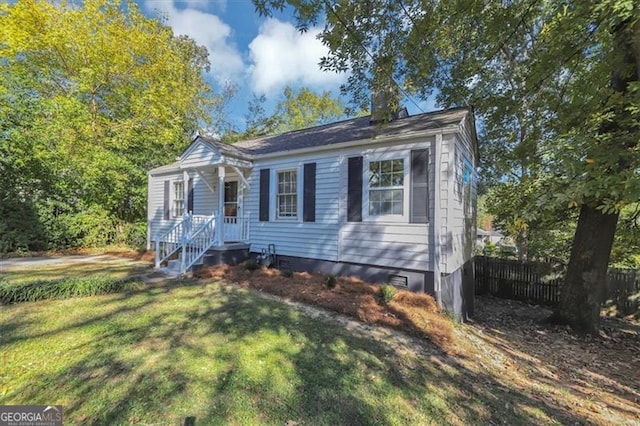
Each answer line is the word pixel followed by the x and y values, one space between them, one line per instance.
pixel 204 4
pixel 207 30
pixel 281 55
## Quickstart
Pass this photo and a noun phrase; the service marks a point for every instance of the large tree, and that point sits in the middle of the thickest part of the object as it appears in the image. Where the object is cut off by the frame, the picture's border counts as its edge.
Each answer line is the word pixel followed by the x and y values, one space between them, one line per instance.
pixel 103 94
pixel 555 85
pixel 296 109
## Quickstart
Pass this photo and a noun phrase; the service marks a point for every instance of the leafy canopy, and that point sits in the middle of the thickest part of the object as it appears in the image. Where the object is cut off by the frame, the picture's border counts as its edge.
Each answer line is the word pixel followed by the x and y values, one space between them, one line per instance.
pixel 91 97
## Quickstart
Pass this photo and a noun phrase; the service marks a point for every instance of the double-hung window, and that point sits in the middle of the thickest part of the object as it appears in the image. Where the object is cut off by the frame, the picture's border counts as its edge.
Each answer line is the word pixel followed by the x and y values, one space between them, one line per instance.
pixel 178 198
pixel 287 194
pixel 386 187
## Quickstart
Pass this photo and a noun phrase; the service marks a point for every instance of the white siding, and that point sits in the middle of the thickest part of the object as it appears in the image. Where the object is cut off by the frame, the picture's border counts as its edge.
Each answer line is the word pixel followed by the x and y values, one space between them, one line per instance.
pixel 391 244
pixel 199 155
pixel 155 213
pixel 317 240
pixel 461 205
pixel 331 237
pixel 394 245
pixel 205 202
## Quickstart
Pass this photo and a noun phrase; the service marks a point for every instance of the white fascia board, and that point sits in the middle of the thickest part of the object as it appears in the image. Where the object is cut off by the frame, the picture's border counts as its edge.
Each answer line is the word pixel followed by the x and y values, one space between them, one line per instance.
pixel 222 162
pixel 231 161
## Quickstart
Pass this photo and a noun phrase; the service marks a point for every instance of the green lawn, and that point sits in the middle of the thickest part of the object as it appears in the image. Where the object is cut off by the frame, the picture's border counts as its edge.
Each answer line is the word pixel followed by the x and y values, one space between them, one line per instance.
pixel 217 353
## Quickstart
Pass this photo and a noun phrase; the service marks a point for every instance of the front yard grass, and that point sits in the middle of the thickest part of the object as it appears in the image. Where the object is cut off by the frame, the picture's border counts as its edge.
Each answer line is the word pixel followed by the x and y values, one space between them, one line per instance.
pixel 217 353
pixel 223 355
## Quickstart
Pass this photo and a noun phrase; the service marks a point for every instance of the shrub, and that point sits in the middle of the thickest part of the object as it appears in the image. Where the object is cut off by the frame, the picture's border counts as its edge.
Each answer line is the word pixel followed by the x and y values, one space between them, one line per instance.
pixel 331 281
pixel 93 227
pixel 133 235
pixel 387 292
pixel 20 228
pixel 287 273
pixel 251 265
pixel 64 288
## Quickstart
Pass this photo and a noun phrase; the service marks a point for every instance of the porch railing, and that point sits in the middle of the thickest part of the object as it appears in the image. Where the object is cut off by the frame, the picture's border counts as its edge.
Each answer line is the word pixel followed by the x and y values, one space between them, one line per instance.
pixel 170 241
pixel 197 243
pixel 236 228
pixel 181 235
pixel 194 235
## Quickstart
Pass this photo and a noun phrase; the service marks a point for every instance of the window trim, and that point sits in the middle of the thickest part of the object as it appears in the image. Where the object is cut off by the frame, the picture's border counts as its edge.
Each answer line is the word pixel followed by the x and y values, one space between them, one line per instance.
pixel 174 198
pixel 406 187
pixel 298 194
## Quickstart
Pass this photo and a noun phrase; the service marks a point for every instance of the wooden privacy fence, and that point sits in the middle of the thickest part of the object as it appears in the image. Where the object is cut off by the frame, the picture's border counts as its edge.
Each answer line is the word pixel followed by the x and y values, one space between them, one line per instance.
pixel 541 282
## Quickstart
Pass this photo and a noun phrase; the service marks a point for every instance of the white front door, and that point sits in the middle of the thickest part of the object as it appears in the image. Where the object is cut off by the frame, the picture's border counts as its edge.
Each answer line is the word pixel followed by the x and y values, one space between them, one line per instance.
pixel 232 224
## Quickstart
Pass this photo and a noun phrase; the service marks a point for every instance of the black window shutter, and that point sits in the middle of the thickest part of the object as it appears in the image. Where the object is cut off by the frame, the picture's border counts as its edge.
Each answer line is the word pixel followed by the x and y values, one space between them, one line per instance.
pixel 264 195
pixel 419 186
pixel 166 208
pixel 190 195
pixel 309 202
pixel 354 188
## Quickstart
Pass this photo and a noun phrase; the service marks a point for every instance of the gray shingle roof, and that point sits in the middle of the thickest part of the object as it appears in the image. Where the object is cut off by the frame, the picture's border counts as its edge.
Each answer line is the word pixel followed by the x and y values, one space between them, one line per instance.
pixel 226 149
pixel 167 168
pixel 343 131
pixel 349 130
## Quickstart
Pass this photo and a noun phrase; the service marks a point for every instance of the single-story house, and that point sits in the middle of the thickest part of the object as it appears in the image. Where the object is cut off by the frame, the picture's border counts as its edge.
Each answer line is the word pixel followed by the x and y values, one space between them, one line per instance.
pixel 391 202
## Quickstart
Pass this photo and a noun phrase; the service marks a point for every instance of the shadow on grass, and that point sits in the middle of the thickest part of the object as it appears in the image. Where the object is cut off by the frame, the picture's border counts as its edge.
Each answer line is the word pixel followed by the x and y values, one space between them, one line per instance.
pixel 177 351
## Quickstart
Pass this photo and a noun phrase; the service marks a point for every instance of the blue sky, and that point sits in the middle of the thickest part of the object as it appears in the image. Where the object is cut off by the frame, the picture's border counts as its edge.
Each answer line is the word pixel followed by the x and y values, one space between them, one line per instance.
pixel 257 54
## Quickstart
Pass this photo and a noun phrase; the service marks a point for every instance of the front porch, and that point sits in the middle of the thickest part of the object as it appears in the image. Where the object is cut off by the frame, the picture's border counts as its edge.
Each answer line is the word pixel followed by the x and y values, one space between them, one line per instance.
pixel 196 237
pixel 203 204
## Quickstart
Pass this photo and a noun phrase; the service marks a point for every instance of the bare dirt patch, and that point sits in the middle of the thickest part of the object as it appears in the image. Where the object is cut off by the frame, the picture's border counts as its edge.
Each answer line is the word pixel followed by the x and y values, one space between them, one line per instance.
pixel 594 377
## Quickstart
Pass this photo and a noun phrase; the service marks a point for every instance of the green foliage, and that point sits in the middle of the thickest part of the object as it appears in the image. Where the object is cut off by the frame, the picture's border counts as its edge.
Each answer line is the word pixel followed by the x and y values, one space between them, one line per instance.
pixel 490 249
pixel 626 246
pixel 387 292
pixel 287 273
pixel 331 281
pixel 64 288
pixel 251 265
pixel 304 108
pixel 132 234
pixel 484 219
pixel 92 96
pixel 93 227
pixel 296 110
pixel 19 227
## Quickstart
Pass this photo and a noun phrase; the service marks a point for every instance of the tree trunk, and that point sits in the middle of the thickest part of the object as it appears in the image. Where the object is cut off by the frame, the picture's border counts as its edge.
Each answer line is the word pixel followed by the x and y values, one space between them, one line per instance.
pixel 582 293
pixel 585 283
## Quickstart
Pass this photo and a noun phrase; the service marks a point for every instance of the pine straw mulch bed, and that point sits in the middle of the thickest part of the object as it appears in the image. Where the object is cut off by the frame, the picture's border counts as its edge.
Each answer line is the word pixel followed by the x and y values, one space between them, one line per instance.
pixel 417 314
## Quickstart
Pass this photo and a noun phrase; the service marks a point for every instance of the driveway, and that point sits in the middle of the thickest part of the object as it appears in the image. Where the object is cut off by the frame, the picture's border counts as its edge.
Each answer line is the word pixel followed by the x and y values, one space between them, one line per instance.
pixel 34 262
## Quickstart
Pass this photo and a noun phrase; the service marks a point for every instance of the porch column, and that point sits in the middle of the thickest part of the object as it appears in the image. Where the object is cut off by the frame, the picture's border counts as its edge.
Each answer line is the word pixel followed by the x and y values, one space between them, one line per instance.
pixel 185 190
pixel 220 216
